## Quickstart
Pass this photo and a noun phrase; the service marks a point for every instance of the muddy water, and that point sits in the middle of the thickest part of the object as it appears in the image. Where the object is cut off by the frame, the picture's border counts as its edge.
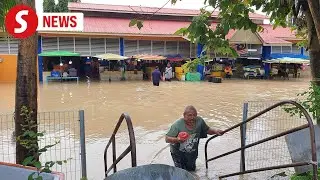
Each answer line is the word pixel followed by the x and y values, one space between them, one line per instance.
pixel 152 109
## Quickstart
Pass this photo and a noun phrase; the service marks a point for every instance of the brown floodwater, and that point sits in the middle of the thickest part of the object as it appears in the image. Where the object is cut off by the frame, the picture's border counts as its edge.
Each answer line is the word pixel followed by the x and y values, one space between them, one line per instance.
pixel 152 110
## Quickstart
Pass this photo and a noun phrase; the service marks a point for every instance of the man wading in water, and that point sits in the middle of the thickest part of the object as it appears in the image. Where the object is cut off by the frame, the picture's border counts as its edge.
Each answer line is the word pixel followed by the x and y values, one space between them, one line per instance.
pixel 156 76
pixel 184 136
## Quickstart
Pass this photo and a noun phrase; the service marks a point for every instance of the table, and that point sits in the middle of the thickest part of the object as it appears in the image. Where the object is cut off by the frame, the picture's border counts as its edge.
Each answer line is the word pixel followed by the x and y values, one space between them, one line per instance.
pixel 50 78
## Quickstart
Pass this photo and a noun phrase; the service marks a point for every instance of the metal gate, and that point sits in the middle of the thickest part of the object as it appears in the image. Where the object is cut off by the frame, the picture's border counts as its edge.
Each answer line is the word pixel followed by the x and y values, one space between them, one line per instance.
pixel 65 127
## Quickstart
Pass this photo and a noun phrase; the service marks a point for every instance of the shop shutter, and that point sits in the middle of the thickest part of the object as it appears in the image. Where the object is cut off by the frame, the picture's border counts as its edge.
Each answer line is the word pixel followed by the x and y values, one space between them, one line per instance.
pixel 276 49
pixel 49 44
pixel 130 48
pixel 144 47
pixel 66 44
pixel 171 47
pixel 158 48
pixel 296 49
pixel 4 48
pixel 286 49
pixel 82 46
pixel 97 46
pixel 184 49
pixel 306 53
pixel 14 43
pixel 113 46
pixel 256 47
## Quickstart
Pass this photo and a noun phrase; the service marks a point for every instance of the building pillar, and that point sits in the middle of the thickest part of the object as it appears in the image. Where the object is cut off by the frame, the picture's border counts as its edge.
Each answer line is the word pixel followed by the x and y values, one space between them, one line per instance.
pixel 199 50
pixel 40 60
pixel 121 47
pixel 266 52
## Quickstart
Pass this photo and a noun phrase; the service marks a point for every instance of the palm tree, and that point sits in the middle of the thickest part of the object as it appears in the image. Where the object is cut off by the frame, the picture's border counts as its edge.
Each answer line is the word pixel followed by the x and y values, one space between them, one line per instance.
pixel 26 83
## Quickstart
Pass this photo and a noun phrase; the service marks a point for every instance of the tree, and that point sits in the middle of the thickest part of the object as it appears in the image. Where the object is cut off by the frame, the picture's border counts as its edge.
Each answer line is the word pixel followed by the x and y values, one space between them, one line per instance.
pixel 51 6
pixel 27 81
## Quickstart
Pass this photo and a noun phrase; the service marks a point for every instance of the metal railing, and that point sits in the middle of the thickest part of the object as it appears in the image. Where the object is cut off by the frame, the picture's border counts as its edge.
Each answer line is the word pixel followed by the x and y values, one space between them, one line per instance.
pixel 58 126
pixel 131 148
pixel 243 146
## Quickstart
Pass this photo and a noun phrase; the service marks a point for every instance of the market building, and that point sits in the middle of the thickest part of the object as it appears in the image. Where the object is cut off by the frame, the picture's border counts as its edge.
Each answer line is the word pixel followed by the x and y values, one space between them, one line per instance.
pixel 106 30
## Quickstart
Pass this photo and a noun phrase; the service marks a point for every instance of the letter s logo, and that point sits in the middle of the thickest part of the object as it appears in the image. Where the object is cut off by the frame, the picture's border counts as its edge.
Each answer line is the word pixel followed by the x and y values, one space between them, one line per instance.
pixel 21 21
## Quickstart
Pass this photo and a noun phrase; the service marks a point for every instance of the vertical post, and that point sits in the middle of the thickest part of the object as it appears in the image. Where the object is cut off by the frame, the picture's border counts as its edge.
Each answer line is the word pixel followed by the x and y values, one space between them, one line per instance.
pixel 243 137
pixel 83 145
pixel 114 154
pixel 40 60
pixel 151 47
pixel 121 47
pixel 90 46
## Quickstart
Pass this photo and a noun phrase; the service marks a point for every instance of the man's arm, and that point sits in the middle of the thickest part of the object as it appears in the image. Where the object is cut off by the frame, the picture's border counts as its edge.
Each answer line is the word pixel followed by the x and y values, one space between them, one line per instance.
pixel 173 140
pixel 213 131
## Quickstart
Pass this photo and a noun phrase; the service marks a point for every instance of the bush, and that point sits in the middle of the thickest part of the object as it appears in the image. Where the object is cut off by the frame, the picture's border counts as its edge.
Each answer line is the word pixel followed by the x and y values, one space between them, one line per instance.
pixel 304 176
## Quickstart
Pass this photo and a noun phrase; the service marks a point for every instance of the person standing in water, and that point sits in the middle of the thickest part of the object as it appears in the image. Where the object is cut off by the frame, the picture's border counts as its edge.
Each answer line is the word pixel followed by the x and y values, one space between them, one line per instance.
pixel 168 72
pixel 184 136
pixel 156 76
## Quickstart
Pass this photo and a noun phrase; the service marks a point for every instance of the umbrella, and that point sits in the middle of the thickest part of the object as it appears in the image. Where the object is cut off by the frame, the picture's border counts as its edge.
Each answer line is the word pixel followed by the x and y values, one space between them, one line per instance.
pixel 149 57
pixel 58 53
pixel 287 60
pixel 111 57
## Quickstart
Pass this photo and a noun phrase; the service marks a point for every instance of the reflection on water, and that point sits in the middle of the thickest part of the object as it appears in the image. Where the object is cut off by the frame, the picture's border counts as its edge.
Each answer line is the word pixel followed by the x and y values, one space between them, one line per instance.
pixel 152 109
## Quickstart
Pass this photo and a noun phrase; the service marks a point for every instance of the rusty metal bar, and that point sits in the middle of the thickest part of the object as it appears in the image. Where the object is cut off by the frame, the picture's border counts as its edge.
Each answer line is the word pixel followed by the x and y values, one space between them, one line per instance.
pixel 125 152
pixel 266 169
pixel 310 125
pixel 132 142
pixel 243 131
pixel 261 141
pixel 131 148
pixel 243 158
pixel 114 153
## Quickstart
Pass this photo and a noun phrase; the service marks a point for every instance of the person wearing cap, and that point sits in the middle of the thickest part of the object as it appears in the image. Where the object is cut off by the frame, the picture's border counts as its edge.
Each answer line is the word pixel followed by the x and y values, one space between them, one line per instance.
pixel 184 135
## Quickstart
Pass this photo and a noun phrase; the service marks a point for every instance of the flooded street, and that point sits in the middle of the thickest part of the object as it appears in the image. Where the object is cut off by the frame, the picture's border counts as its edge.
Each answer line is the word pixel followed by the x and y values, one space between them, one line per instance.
pixel 152 110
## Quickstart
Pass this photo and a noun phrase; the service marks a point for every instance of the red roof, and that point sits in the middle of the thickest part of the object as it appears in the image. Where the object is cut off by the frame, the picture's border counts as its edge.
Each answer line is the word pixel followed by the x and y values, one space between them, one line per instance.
pixel 73 6
pixel 276 36
pixel 121 26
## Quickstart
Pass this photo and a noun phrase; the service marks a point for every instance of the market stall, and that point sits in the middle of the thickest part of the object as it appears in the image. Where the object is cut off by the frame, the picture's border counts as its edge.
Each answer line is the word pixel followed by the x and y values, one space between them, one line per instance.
pixel 283 67
pixel 149 62
pixel 64 70
pixel 118 68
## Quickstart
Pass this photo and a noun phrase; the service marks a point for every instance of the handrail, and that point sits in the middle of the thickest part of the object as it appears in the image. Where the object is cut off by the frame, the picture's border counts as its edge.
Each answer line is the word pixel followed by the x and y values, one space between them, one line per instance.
pixel 243 171
pixel 131 148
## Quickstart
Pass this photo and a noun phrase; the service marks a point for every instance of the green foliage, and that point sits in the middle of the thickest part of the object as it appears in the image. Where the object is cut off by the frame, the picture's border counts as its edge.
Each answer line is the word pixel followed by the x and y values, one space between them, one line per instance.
pixel 192 64
pixel 304 176
pixel 29 139
pixel 51 6
pixel 5 5
pixel 310 101
pixel 136 22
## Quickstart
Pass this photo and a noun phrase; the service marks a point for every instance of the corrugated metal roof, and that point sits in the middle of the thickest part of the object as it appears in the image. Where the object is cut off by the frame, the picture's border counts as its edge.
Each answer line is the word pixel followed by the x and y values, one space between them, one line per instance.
pixel 143 10
pixel 276 36
pixel 121 26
